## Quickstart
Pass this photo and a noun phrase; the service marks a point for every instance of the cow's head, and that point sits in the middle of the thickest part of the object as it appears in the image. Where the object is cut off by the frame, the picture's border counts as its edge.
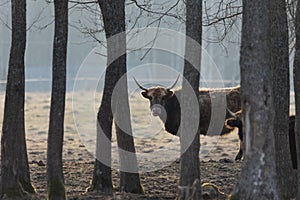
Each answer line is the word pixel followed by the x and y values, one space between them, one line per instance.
pixel 235 120
pixel 158 97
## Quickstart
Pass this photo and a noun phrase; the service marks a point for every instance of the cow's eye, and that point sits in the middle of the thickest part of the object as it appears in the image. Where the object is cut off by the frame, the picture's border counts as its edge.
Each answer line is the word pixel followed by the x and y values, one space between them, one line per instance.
pixel 150 98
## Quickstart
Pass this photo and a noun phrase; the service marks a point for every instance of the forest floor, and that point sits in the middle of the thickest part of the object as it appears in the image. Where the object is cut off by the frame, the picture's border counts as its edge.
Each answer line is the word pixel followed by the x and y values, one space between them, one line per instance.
pixel 158 154
pixel 159 184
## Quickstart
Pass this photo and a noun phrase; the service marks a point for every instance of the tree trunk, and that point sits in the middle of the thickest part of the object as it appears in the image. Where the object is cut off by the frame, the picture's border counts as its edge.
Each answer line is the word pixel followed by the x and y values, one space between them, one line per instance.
pixel 102 180
pixel 297 91
pixel 14 162
pixel 56 188
pixel 113 13
pixel 281 87
pixel 258 175
pixel 130 180
pixel 189 184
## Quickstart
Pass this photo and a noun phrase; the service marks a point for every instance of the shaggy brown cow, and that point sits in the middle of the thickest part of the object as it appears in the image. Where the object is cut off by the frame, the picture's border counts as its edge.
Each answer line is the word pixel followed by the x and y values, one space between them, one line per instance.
pixel 165 104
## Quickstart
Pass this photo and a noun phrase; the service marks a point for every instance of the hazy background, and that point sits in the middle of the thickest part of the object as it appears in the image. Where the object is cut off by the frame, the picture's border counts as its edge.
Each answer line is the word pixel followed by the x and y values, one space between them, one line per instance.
pixel 39 48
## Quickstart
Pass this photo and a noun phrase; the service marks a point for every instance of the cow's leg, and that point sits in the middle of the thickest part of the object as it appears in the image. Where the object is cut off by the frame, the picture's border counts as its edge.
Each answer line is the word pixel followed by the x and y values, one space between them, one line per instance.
pixel 239 155
pixel 241 137
pixel 292 140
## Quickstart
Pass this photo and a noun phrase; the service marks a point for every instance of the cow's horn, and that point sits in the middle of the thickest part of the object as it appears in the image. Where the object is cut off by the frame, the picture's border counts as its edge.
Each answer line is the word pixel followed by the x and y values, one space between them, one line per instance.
pixel 139 84
pixel 169 88
pixel 231 113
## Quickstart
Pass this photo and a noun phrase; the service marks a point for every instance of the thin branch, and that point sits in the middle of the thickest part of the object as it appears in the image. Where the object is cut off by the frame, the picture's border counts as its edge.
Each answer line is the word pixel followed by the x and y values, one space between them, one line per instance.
pixel 153 42
pixel 159 13
pixel 217 20
pixel 80 2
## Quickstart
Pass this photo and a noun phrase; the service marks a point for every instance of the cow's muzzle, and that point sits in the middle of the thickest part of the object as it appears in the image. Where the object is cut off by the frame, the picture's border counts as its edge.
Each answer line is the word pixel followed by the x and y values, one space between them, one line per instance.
pixel 156 110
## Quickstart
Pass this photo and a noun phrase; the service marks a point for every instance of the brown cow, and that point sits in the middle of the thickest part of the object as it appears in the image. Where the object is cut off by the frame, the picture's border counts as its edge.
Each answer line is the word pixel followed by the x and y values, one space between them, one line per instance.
pixel 165 104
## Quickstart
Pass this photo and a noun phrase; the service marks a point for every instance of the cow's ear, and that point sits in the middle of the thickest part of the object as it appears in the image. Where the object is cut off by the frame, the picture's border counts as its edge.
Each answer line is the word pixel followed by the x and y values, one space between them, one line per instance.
pixel 145 94
pixel 170 93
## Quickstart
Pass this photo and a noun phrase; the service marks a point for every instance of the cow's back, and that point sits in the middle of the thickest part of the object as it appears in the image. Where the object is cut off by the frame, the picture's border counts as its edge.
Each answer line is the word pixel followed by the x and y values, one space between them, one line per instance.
pixel 206 96
pixel 217 96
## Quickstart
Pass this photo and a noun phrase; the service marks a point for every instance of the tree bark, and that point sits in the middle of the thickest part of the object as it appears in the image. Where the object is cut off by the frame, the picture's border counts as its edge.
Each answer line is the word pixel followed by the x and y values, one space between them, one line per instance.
pixel 113 13
pixel 190 184
pixel 129 180
pixel 297 91
pixel 15 173
pixel 281 87
pixel 55 175
pixel 258 175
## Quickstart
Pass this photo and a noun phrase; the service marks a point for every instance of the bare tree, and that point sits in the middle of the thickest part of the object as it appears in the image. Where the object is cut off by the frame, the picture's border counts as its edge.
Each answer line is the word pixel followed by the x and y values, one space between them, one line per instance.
pixel 15 175
pixel 189 166
pixel 281 89
pixel 55 177
pixel 297 90
pixel 113 14
pixel 258 176
pixel 222 16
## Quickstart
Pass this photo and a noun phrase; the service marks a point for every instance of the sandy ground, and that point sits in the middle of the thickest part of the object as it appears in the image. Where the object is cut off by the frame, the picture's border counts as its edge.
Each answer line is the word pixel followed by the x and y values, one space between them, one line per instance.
pixel 157 151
